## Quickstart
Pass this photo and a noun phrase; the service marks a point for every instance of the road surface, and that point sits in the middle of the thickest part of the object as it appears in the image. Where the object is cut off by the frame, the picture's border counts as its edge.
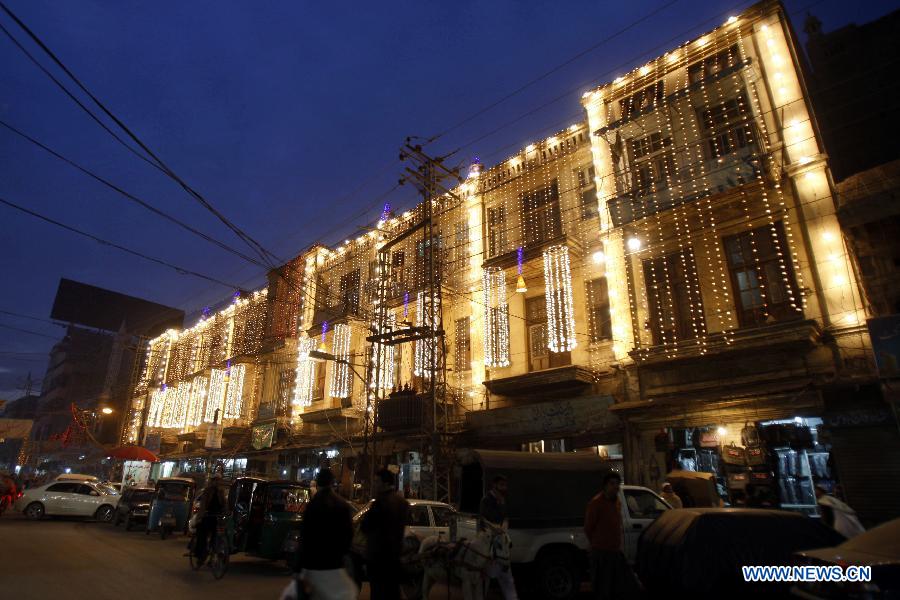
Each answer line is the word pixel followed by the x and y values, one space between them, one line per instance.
pixel 83 560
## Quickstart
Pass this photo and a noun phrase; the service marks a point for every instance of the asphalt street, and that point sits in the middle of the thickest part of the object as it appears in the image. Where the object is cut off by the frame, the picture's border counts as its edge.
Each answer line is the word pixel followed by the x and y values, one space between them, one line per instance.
pixel 83 560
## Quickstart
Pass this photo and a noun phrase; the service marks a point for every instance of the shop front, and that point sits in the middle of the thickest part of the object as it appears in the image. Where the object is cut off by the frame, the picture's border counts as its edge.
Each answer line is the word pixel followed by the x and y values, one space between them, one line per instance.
pixel 768 451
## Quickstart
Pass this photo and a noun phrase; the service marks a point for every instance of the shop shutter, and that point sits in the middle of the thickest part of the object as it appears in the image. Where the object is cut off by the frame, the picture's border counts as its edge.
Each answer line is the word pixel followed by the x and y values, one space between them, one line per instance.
pixel 868 465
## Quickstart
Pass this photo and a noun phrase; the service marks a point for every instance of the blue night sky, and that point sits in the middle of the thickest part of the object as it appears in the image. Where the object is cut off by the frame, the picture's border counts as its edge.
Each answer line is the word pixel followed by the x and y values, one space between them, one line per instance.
pixel 287 116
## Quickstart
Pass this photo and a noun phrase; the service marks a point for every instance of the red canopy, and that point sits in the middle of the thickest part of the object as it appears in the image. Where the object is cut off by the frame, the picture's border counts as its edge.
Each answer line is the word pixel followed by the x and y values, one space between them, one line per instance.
pixel 132 453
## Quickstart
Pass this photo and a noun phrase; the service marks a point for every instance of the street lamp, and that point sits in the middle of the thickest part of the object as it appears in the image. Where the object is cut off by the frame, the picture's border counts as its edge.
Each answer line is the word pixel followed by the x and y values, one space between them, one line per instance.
pixel 319 355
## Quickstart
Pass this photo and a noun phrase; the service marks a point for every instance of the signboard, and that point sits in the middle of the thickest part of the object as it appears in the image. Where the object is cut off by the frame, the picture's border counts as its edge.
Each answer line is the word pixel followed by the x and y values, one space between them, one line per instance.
pixel 262 436
pixel 214 436
pixel 152 442
pixel 885 334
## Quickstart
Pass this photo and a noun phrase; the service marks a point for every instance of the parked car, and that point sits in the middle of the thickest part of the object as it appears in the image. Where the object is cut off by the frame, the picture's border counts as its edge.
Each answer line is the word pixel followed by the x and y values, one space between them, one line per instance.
pixel 548 496
pixel 76 477
pixel 68 498
pixel 878 548
pixel 699 552
pixel 134 507
pixel 426 518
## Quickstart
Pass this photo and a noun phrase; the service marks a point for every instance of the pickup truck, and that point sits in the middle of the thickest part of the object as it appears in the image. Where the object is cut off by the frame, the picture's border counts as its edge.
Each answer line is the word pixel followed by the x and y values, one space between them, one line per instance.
pixel 546 521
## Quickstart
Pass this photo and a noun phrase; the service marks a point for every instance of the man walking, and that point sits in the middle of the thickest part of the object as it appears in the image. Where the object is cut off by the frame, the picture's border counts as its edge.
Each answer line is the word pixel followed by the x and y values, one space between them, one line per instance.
pixel 326 536
pixel 383 525
pixel 603 527
pixel 492 515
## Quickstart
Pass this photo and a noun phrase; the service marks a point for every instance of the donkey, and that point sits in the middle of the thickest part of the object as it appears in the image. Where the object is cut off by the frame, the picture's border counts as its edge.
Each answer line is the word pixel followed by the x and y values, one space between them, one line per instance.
pixel 466 560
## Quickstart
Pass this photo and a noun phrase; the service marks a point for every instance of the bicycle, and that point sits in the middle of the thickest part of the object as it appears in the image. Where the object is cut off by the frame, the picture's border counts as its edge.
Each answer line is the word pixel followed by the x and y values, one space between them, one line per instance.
pixel 217 551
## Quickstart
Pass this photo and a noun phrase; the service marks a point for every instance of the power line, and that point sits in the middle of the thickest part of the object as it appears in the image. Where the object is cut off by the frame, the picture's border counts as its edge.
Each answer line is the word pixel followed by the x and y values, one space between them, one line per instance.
pixel 129 196
pixel 74 99
pixel 253 244
pixel 44 335
pixel 104 242
pixel 562 65
pixel 20 315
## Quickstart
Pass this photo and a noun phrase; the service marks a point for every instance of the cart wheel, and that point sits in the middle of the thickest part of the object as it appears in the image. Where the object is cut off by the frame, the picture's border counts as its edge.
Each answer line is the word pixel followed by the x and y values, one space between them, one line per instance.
pixel 218 559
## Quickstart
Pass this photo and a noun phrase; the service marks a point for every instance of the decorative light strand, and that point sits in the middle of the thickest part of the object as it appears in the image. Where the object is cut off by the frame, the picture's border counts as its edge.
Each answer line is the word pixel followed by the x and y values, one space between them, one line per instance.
pixel 496 318
pixel 560 306
pixel 385 355
pixel 306 373
pixel 199 390
pixel 426 316
pixel 216 398
pixel 341 382
pixel 234 401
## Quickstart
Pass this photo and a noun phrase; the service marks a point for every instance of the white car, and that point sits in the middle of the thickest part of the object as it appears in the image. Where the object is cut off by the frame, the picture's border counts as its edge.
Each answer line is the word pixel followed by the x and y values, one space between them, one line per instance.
pixel 69 498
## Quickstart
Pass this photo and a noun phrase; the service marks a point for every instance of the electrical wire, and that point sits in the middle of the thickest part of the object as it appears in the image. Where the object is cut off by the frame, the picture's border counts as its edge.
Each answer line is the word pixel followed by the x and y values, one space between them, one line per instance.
pixel 104 242
pixel 253 244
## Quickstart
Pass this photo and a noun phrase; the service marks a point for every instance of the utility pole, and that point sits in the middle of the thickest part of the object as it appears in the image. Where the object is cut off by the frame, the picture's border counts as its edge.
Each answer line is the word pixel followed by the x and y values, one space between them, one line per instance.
pixel 427 174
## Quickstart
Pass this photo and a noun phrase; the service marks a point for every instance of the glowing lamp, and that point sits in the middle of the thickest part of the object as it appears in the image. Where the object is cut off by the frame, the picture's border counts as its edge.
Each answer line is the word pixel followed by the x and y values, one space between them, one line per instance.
pixel 520 285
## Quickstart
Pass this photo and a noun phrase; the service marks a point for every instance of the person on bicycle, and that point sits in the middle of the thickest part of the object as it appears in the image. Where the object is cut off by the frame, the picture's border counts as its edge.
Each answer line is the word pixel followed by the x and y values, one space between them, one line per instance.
pixel 212 505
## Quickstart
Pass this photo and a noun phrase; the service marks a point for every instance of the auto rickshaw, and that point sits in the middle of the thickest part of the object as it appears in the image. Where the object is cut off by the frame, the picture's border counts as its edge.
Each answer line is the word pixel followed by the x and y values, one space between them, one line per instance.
pixel 171 506
pixel 264 517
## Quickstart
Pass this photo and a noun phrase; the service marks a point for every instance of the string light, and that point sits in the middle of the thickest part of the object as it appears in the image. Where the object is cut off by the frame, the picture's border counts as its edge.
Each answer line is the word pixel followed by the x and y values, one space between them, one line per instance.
pixel 385 354
pixel 215 400
pixel 305 381
pixel 199 389
pixel 426 316
pixel 234 401
pixel 322 346
pixel 496 318
pixel 560 307
pixel 341 382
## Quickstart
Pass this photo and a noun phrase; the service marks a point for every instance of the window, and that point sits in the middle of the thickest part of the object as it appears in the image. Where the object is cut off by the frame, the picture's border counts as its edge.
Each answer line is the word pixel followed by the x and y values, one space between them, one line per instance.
pixel 497 235
pixel 540 214
pixel 727 127
pixel 598 315
pixel 349 300
pixel 319 388
pixel 442 515
pixel 761 293
pixel 418 516
pixel 653 164
pixel 461 242
pixel 463 357
pixel 86 490
pixel 588 191
pixel 643 504
pixel 642 100
pixel 63 488
pixel 676 309
pixel 539 354
pixel 713 64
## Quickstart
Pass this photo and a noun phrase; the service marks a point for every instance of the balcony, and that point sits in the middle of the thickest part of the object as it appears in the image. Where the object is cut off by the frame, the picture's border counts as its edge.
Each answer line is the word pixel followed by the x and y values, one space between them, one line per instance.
pixel 550 383
pixel 745 358
pixel 509 259
pixel 739 168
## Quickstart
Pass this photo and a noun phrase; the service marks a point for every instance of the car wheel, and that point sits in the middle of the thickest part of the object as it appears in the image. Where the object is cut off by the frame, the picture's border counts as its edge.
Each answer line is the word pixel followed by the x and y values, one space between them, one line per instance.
pixel 34 511
pixel 104 514
pixel 558 578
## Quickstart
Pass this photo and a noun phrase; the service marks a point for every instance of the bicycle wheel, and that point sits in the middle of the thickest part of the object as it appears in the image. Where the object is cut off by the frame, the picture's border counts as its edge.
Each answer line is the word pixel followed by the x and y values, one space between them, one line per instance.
pixel 218 559
pixel 193 558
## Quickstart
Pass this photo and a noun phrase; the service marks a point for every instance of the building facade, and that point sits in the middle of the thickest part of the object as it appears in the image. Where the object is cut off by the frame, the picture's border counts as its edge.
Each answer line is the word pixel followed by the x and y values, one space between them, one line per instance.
pixel 649 284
